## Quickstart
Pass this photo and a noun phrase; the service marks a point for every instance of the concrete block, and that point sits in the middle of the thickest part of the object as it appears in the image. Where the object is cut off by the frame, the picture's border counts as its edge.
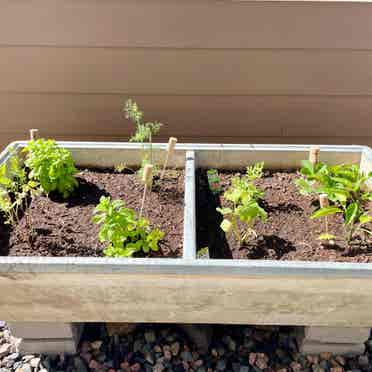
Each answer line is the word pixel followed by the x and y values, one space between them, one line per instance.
pixel 343 335
pixel 41 330
pixel 314 347
pixel 47 346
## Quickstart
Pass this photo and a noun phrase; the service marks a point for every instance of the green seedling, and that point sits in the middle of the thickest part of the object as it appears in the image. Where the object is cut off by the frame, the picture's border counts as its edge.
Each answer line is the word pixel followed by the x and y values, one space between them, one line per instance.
pixel 123 230
pixel 346 188
pixel 51 166
pixel 326 236
pixel 122 167
pixel 244 197
pixel 203 253
pixel 144 131
pixel 214 181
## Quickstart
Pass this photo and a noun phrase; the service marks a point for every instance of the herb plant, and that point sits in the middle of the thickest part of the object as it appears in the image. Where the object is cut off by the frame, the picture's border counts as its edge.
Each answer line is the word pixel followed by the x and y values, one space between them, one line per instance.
pixel 245 209
pixel 346 188
pixel 51 166
pixel 145 131
pixel 214 181
pixel 15 188
pixel 125 232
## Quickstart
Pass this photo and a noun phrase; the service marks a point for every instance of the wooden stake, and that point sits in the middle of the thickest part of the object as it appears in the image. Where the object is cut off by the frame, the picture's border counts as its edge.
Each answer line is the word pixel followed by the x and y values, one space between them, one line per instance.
pixel 33 134
pixel 170 149
pixel 324 202
pixel 314 154
pixel 147 180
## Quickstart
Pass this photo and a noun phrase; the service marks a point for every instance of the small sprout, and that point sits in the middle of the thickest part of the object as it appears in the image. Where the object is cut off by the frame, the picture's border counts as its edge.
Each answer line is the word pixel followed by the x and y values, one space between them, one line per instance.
pixel 214 181
pixel 125 233
pixel 203 253
pixel 330 238
pixel 119 168
pixel 244 198
pixel 324 203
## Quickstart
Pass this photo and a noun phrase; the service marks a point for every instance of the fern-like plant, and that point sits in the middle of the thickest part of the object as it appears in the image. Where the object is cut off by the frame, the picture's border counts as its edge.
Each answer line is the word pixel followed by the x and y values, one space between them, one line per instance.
pixel 144 131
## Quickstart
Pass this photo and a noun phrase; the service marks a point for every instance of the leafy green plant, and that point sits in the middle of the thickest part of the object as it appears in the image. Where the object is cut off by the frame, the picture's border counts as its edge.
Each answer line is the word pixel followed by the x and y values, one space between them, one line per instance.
pixel 214 181
pixel 345 186
pixel 125 232
pixel 244 197
pixel 51 166
pixel 145 131
pixel 15 188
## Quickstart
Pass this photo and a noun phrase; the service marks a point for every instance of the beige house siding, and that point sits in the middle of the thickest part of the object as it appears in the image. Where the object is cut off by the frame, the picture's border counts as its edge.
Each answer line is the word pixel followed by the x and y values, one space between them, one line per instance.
pixel 211 70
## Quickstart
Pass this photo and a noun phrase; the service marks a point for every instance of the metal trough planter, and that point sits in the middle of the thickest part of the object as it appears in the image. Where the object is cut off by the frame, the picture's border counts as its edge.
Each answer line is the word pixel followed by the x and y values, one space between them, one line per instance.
pixel 190 290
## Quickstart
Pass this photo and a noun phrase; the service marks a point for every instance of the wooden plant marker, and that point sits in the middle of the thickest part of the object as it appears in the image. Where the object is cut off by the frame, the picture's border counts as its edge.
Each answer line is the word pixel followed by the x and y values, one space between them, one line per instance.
pixel 324 202
pixel 147 180
pixel 170 150
pixel 314 154
pixel 33 134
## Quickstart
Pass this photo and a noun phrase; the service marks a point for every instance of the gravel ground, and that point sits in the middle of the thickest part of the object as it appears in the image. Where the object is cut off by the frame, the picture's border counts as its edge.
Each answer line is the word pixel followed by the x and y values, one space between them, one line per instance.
pixel 166 348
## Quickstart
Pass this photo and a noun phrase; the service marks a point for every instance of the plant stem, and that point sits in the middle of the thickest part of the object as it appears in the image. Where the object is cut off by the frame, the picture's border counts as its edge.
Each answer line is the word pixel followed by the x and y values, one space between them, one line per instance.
pixel 350 234
pixel 143 200
pixel 150 138
pixel 236 230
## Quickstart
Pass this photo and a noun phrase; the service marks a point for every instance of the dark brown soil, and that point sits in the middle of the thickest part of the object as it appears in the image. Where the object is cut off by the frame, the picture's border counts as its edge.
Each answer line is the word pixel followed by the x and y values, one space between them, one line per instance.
pixel 288 233
pixel 65 228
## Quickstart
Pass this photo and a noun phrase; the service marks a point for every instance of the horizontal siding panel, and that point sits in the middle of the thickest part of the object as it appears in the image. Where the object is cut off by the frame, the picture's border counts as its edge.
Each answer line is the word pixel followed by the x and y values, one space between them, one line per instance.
pixel 185 72
pixel 235 119
pixel 186 24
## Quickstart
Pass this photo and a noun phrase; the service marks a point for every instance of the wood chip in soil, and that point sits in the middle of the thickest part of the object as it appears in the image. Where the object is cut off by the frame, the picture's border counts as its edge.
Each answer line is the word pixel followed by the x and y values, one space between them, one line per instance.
pixel 65 228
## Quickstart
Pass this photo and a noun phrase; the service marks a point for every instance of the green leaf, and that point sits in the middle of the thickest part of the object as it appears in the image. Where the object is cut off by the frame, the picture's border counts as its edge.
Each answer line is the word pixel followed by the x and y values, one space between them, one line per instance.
pixel 326 236
pixel 365 218
pixel 226 226
pixel 307 167
pixel 224 211
pixel 351 213
pixel 305 187
pixel 124 231
pixel 343 181
pixel 326 211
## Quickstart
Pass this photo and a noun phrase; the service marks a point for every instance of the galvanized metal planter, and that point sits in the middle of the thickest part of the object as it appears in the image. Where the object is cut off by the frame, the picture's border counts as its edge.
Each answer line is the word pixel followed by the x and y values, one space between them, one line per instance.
pixel 187 289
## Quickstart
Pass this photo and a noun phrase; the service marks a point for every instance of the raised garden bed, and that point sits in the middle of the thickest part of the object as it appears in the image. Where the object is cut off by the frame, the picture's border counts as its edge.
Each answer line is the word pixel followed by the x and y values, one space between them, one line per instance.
pixel 287 233
pixel 65 227
pixel 189 289
pixel 54 225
